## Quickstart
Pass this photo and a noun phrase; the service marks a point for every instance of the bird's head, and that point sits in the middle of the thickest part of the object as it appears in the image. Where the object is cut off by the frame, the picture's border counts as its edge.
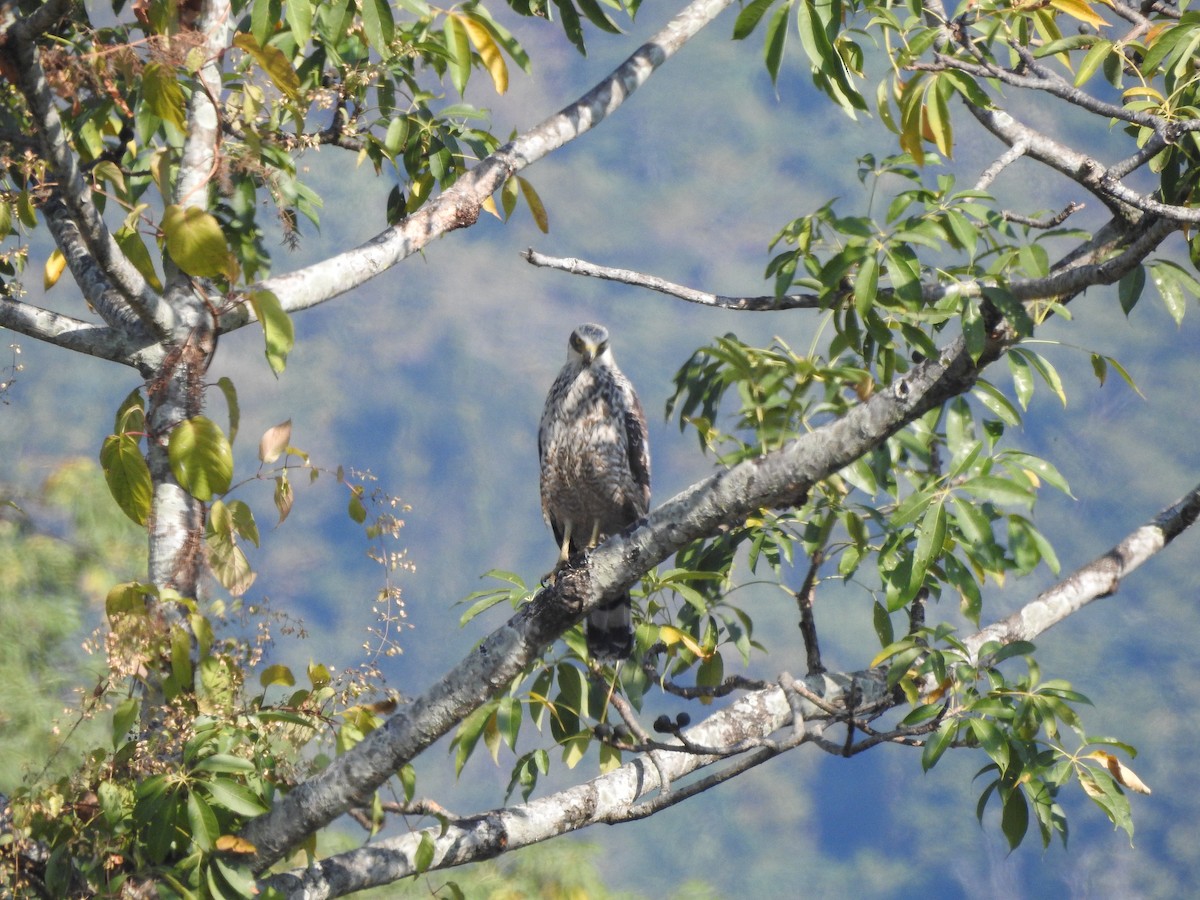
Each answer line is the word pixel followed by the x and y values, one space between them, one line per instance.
pixel 587 343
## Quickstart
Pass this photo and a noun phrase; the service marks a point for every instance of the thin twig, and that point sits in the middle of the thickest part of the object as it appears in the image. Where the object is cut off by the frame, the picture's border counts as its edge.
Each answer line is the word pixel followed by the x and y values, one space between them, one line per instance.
pixel 1053 222
pixel 805 597
pixel 639 279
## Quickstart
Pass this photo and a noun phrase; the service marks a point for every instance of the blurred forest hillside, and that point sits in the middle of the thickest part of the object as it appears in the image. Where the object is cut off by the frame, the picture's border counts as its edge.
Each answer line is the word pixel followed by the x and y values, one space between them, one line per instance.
pixel 432 379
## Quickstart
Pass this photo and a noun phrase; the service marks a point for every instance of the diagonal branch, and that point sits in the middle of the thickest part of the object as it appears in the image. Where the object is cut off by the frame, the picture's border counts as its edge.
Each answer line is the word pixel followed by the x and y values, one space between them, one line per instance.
pixel 607 799
pixel 1099 578
pixel 91 280
pixel 1079 167
pixel 459 205
pixel 20 41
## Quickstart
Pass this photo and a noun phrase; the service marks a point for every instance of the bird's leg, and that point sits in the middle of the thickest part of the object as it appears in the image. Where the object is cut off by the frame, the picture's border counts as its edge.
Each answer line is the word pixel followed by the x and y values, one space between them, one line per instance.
pixel 564 552
pixel 595 538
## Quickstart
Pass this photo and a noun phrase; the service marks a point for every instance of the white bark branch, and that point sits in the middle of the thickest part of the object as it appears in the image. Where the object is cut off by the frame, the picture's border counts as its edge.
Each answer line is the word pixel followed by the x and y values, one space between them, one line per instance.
pixel 608 799
pixel 1099 578
pixel 1103 260
pixel 638 279
pixel 100 341
pixel 1080 168
pixel 459 205
pixel 74 191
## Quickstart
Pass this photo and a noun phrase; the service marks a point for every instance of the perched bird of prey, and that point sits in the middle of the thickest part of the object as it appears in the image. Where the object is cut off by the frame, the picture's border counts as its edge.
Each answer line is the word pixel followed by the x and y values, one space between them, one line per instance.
pixel 595 468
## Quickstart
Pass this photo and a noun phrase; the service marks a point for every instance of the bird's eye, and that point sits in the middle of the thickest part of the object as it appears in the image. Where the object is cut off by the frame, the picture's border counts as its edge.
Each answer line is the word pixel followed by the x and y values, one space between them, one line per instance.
pixel 576 343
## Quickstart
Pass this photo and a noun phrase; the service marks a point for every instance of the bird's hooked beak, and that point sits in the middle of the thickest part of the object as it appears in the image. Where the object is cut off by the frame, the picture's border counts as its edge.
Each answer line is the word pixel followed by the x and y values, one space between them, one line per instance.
pixel 589 352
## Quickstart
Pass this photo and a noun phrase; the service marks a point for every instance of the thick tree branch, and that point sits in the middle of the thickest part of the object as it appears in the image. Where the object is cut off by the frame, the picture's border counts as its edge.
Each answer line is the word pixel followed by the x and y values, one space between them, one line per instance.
pixel 20 41
pixel 100 341
pixel 94 283
pixel 198 160
pixel 638 279
pixel 459 205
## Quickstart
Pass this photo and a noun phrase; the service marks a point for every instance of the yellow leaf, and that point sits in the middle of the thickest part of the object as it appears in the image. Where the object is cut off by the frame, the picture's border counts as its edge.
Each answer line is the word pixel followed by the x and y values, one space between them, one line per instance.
pixel 535 205
pixel 489 52
pixel 54 269
pixel 1080 10
pixel 671 636
pixel 490 205
pixel 231 843
pixel 1142 91
pixel 272 61
pixel 574 750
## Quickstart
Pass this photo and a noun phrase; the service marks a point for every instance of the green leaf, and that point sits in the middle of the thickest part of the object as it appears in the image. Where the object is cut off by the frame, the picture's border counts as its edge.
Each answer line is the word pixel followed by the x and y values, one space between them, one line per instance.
pixel 276 674
pixel 931 537
pixel 278 331
pixel 1129 288
pixel 1044 469
pixel 1170 290
pixel 1022 379
pixel 776 40
pixel 225 763
pixel 883 624
pixel 128 476
pixel 408 780
pixel 378 25
pixel 201 458
pixel 998 490
pixel 992 740
pixel 423 858
pixel 995 401
pixel 299 18
pixel 355 508
pixel 468 734
pixel 1011 308
pixel 458 50
pixel 235 797
pixel 202 822
pixel 163 95
pixel 131 244
pixel 937 743
pixel 1014 817
pixel 124 716
pixel 262 19
pixel 229 391
pixel 749 18
pixel 181 656
pixel 195 241
pixel 571 24
pixel 598 17
pixel 1091 61
pixel 866 284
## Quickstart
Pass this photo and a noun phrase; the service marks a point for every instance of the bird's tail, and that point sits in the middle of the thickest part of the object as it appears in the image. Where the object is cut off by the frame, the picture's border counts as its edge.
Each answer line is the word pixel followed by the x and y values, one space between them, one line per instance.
pixel 610 629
